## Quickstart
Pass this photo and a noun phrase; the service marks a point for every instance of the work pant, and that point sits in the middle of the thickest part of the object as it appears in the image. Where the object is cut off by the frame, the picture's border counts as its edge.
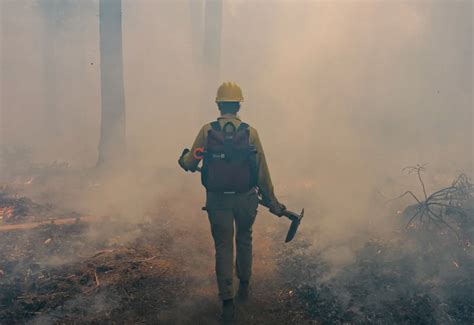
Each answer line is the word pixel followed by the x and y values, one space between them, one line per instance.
pixel 224 210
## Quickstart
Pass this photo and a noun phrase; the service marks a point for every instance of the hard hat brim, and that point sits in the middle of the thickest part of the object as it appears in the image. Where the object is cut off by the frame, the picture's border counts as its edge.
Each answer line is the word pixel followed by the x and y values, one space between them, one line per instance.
pixel 229 100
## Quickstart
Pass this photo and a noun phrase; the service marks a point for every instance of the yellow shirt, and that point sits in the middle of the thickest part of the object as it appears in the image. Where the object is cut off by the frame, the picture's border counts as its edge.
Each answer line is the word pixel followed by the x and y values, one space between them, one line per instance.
pixel 264 181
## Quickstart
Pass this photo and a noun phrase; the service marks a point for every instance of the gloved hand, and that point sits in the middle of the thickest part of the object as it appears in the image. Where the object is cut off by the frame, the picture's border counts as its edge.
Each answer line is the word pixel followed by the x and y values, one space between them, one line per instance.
pixel 181 160
pixel 277 208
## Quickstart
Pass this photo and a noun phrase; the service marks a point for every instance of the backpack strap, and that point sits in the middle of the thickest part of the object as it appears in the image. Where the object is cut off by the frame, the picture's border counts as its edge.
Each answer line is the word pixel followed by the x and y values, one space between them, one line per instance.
pixel 243 126
pixel 216 126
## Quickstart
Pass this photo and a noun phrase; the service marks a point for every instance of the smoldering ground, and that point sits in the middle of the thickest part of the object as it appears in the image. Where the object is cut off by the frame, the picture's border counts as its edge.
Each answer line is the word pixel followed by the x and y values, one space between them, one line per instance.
pixel 344 95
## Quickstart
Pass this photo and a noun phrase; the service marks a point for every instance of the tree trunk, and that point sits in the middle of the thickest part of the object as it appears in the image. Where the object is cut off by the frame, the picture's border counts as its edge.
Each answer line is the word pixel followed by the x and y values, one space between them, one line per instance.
pixel 112 147
pixel 51 27
pixel 2 95
pixel 212 38
pixel 196 15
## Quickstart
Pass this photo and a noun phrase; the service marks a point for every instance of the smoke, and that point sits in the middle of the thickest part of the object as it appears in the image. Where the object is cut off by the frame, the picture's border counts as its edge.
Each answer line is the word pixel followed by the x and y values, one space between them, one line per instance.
pixel 344 95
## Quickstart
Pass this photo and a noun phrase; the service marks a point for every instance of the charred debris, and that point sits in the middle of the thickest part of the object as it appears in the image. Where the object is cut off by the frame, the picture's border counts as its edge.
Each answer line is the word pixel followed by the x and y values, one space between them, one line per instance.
pixel 422 275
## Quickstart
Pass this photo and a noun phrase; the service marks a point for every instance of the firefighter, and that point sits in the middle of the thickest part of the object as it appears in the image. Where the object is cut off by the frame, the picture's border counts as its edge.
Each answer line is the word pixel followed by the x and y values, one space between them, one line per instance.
pixel 234 167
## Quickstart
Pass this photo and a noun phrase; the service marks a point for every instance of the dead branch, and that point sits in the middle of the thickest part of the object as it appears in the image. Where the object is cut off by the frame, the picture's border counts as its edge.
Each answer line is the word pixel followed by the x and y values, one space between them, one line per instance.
pixel 442 203
pixel 406 193
pixel 418 169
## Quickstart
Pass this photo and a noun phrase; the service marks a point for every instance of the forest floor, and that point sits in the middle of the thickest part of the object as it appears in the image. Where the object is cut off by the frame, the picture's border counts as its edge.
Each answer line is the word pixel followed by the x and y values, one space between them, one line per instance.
pixel 160 269
pixel 109 271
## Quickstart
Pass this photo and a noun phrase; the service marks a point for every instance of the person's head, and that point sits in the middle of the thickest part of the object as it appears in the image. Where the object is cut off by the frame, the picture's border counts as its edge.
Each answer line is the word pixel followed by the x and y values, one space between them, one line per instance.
pixel 229 96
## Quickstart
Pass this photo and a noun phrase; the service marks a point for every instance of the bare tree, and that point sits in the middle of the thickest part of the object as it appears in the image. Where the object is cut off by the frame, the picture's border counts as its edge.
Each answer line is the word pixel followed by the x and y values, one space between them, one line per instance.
pixel 212 38
pixel 54 14
pixel 196 15
pixel 2 97
pixel 51 27
pixel 112 145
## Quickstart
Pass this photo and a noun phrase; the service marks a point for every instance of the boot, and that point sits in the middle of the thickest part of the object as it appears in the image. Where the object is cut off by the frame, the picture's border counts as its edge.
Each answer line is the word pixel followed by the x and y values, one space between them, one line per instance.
pixel 228 311
pixel 243 294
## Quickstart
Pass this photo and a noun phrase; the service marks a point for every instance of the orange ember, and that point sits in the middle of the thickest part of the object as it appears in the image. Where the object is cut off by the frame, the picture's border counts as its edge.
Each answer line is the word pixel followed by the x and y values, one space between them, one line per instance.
pixel 6 212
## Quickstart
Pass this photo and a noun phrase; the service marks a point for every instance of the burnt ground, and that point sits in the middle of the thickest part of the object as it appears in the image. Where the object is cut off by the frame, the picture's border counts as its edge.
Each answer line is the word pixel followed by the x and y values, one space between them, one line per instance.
pixel 388 282
pixel 145 273
pixel 420 273
pixel 160 271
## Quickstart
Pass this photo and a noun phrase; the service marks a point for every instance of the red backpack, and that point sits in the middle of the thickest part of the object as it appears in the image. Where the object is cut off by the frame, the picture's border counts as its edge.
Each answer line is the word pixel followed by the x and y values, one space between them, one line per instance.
pixel 229 162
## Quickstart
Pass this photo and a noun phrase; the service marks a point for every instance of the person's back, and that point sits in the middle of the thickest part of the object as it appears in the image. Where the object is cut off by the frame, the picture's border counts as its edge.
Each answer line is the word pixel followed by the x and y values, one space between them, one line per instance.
pixel 234 168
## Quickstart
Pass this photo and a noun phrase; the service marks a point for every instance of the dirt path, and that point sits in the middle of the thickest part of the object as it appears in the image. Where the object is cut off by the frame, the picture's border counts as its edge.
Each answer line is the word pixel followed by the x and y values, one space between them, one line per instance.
pixel 158 273
pixel 50 274
pixel 199 303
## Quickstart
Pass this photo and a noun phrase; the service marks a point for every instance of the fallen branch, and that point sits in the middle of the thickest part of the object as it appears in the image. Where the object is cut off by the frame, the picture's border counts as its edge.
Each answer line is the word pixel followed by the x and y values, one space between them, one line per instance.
pixel 62 221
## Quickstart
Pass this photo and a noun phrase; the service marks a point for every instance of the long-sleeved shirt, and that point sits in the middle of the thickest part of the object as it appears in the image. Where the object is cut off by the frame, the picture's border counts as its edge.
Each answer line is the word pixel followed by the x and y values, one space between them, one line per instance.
pixel 264 181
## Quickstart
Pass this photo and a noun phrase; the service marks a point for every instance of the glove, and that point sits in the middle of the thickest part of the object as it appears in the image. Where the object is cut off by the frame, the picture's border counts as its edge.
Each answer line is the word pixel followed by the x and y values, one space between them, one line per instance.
pixel 277 208
pixel 181 159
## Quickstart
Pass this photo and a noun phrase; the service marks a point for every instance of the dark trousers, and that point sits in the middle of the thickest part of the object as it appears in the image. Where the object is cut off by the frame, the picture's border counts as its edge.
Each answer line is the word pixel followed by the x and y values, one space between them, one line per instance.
pixel 224 210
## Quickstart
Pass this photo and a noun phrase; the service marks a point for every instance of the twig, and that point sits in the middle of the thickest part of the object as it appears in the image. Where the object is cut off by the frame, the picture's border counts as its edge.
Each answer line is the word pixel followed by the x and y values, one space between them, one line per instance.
pixel 441 219
pixel 422 184
pixel 105 251
pixel 407 192
pixel 96 277
pixel 147 259
pixel 414 216
pixel 447 206
pixel 418 169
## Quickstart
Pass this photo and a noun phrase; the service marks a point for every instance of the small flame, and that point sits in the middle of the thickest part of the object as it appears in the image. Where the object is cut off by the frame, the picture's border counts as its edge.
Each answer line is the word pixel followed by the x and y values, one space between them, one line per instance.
pixel 6 212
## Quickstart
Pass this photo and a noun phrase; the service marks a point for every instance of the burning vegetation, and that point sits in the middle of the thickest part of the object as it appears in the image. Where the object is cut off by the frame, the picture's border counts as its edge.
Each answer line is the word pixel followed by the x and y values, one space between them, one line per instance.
pixel 14 209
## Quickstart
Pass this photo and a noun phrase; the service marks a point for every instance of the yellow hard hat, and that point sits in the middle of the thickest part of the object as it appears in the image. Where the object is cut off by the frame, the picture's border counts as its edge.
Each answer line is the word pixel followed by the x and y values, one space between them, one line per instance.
pixel 229 92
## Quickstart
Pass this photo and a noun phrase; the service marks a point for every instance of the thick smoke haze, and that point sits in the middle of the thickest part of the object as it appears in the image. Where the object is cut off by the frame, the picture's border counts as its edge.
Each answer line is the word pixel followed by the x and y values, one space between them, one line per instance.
pixel 344 95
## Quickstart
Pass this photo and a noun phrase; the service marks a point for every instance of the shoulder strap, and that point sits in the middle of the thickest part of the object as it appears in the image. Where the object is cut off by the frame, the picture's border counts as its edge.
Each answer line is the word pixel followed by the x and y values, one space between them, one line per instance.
pixel 243 126
pixel 216 126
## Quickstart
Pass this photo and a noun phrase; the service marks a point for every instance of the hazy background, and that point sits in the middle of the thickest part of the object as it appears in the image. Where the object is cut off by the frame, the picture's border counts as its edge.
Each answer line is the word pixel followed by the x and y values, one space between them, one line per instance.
pixel 344 94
